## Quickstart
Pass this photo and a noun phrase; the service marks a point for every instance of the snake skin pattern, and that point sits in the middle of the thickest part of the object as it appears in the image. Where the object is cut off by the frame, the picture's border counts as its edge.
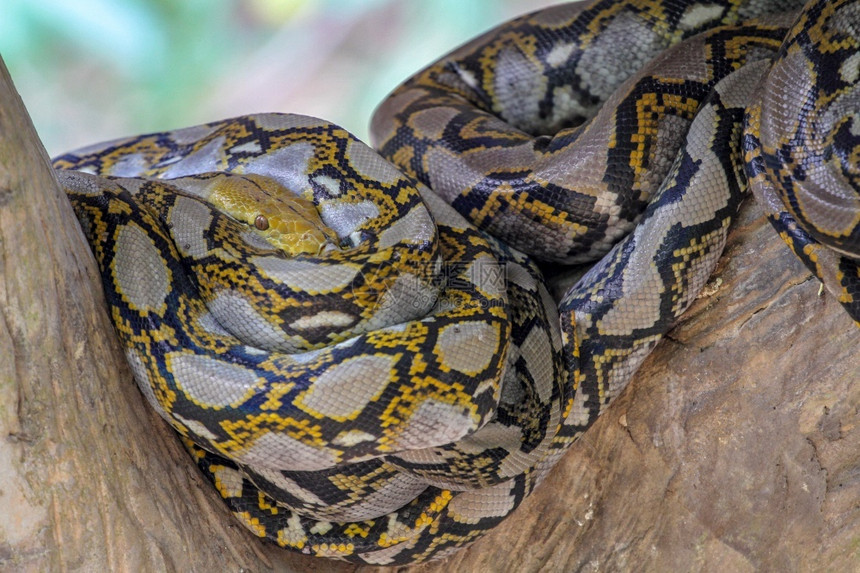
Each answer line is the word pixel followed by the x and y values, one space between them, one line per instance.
pixel 376 372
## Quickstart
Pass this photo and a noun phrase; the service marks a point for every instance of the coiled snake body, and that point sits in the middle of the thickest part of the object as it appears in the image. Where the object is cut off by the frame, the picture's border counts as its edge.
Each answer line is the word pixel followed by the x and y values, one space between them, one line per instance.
pixel 373 371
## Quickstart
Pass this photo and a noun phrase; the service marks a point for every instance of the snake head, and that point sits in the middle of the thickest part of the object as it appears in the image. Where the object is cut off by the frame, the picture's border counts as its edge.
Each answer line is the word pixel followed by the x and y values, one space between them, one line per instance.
pixel 286 220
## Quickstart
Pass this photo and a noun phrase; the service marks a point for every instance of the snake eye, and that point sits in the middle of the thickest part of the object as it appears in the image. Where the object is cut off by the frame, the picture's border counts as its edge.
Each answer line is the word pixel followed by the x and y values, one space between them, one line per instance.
pixel 261 222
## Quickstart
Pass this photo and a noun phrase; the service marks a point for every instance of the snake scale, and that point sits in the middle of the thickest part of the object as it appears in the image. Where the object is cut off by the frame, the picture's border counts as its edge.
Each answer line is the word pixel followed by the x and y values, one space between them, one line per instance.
pixel 376 372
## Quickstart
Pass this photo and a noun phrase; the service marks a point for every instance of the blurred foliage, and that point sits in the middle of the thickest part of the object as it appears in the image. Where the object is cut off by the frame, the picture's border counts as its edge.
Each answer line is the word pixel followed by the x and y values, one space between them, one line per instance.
pixel 90 70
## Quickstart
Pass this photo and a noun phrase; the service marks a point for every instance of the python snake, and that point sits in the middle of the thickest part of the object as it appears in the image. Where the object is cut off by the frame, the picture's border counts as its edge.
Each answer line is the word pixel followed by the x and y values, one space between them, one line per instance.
pixel 373 371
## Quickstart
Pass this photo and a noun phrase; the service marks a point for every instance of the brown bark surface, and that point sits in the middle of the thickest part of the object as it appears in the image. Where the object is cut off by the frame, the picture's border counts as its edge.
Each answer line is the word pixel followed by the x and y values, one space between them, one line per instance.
pixel 734 449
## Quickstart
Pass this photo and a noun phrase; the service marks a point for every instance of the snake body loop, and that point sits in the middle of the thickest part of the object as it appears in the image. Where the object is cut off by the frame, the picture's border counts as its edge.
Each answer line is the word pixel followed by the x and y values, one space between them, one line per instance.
pixel 375 371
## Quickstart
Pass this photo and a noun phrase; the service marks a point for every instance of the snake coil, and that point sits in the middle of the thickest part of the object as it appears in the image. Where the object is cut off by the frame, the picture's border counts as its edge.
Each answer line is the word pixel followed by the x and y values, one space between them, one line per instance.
pixel 373 371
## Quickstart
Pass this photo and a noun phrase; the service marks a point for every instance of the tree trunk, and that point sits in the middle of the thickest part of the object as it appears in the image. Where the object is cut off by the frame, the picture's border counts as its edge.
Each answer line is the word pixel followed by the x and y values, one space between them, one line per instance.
pixel 735 448
pixel 90 478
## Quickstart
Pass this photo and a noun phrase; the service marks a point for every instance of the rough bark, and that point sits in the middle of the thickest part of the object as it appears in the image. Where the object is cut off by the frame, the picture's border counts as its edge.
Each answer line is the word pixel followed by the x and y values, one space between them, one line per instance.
pixel 735 448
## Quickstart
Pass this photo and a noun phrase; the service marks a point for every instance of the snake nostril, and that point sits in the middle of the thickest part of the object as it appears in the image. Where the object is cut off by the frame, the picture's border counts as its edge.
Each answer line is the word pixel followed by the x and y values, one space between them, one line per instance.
pixel 261 222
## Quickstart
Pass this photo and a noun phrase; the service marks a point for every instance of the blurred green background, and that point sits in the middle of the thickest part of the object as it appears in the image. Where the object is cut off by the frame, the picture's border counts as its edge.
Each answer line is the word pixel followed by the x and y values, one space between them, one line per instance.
pixel 90 70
